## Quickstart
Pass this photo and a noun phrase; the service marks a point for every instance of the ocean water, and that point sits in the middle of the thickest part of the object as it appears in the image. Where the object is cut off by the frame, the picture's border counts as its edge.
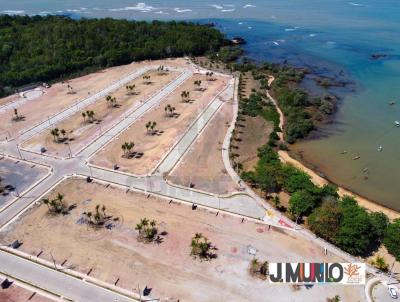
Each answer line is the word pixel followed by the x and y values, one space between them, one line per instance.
pixel 332 37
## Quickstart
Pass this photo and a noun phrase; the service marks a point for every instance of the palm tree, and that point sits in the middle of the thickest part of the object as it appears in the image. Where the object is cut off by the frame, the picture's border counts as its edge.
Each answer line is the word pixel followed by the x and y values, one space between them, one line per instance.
pixel 46 201
pixel 185 96
pixel 112 101
pixel 16 114
pixel 124 148
pixel 63 132
pixel 84 116
pixel 197 83
pixel 148 125
pixel 90 115
pixel 152 127
pixel 56 133
pixel 131 89
pixel 146 79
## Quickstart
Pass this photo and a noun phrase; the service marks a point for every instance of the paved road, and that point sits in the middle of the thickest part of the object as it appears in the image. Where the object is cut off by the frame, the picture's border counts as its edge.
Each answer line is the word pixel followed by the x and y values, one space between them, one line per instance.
pixel 55 281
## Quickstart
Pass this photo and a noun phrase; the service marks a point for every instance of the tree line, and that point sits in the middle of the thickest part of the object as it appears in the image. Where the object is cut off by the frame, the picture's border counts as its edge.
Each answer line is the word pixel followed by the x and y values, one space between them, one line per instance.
pixel 47 48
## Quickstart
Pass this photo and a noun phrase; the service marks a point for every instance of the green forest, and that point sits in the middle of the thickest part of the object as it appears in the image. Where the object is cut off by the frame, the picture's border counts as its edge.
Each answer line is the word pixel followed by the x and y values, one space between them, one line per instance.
pixel 37 49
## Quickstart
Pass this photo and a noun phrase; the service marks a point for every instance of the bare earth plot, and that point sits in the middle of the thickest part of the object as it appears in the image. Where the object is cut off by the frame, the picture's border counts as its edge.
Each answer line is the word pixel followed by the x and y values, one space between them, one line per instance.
pixel 252 133
pixel 17 176
pixel 81 131
pixel 57 98
pixel 153 147
pixel 202 166
pixel 167 267
pixel 16 293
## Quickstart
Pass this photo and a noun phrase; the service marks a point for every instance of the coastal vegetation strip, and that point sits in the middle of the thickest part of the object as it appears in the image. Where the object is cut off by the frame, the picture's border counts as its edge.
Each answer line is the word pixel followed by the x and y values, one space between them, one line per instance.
pixel 37 49
pixel 339 220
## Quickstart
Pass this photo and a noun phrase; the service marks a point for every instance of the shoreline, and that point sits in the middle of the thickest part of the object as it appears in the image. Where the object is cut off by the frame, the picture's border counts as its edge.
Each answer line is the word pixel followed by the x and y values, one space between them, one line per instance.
pixel 370 205
pixel 285 157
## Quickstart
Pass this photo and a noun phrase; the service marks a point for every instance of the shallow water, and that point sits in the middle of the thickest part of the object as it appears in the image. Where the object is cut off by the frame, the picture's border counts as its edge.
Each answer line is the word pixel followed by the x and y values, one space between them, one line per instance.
pixel 330 36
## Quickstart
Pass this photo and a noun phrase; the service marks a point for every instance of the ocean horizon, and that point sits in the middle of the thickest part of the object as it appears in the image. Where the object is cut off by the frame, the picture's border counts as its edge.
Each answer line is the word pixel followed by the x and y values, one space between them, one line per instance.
pixel 333 38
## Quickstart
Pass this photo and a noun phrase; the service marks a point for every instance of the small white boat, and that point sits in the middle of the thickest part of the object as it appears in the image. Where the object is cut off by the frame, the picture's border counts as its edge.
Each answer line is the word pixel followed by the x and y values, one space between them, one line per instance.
pixel 397 123
pixel 380 148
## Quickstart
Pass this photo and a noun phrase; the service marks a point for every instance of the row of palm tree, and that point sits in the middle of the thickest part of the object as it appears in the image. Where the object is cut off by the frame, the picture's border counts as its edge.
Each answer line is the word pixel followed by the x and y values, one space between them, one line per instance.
pixel 169 110
pixel 151 127
pixel 56 205
pixel 56 134
pixel 127 148
pixel 89 114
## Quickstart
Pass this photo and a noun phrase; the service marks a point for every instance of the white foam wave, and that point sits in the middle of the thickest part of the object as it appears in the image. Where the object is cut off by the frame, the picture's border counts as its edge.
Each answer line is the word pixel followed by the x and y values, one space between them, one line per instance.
pixel 217 6
pixel 355 4
pixel 249 6
pixel 160 12
pixel 292 29
pixel 13 12
pixel 228 10
pixel 276 43
pixel 182 10
pixel 138 7
pixel 312 35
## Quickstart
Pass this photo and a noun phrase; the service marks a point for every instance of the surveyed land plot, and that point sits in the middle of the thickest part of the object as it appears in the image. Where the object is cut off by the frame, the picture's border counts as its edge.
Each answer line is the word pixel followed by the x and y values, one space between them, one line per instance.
pixel 59 97
pixel 202 166
pixel 170 119
pixel 113 252
pixel 90 122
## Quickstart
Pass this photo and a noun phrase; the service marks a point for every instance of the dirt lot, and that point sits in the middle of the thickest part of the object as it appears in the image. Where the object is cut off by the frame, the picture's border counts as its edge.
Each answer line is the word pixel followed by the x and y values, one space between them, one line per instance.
pixel 252 133
pixel 202 165
pixel 167 267
pixel 9 99
pixel 80 131
pixel 16 293
pixel 154 147
pixel 57 98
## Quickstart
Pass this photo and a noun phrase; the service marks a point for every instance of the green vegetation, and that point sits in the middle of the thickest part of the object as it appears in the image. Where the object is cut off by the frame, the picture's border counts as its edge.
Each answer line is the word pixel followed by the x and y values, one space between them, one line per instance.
pixel 259 269
pixel 202 248
pixel 56 205
pixel 37 49
pixel 392 238
pixel 99 218
pixel 380 263
pixel 147 230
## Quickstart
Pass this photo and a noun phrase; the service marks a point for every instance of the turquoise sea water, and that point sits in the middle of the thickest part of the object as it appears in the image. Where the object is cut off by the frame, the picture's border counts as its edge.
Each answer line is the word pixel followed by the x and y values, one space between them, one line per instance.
pixel 334 37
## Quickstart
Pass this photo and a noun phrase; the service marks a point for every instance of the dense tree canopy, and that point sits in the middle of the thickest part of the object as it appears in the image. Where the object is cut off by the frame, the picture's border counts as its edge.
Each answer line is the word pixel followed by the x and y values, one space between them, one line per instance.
pixel 46 48
pixel 392 238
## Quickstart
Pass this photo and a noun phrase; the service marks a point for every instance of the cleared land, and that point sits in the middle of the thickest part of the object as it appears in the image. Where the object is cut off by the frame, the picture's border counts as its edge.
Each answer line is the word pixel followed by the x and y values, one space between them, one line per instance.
pixel 167 267
pixel 251 134
pixel 16 293
pixel 81 131
pixel 150 148
pixel 57 98
pixel 16 176
pixel 202 165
